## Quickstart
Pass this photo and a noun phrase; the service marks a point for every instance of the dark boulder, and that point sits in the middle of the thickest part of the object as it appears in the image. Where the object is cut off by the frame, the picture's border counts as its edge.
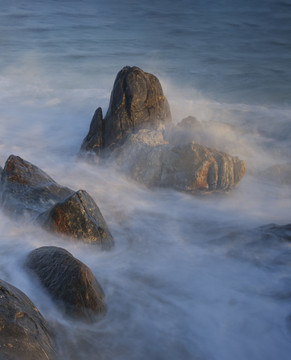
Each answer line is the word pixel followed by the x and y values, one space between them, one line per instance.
pixel 79 217
pixel 137 102
pixel 26 189
pixel 24 333
pixel 69 281
pixel 93 142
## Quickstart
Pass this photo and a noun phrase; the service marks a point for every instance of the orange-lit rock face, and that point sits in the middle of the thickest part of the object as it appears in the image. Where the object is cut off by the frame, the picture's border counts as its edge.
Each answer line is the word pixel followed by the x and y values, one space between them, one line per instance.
pixel 191 167
pixel 78 217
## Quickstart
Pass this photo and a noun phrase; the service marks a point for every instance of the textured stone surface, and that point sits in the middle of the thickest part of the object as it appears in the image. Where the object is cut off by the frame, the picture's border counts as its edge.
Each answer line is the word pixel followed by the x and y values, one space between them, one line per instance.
pixel 70 282
pixel 93 142
pixel 137 101
pixel 134 134
pixel 24 333
pixel 79 217
pixel 149 159
pixel 26 189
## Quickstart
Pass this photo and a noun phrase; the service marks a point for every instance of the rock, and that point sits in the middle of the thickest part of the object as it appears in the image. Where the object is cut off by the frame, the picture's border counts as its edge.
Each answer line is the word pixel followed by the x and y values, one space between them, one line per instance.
pixel 214 134
pixel 79 217
pixel 28 190
pixel 281 232
pixel 24 333
pixel 189 123
pixel 93 142
pixel 137 133
pixel 193 168
pixel 70 282
pixel 137 102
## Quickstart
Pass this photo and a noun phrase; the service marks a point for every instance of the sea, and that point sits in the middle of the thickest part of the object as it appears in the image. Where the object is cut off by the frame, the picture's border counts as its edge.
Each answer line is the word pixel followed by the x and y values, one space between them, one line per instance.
pixel 190 277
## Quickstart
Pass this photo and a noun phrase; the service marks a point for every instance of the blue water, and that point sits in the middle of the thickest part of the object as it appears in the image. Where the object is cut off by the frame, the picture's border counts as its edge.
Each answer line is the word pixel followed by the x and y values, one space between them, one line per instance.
pixel 171 293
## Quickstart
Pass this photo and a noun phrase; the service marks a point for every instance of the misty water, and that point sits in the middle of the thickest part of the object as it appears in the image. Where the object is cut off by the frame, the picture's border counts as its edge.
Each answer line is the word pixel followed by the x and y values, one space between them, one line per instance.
pixel 190 276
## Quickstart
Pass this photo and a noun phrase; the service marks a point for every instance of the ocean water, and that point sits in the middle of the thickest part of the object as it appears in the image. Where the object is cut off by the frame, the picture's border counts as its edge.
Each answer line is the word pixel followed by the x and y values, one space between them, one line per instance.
pixel 188 278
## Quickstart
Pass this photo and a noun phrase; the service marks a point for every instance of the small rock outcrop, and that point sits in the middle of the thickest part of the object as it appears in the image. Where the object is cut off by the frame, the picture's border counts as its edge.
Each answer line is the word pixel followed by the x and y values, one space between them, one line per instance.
pixel 24 333
pixel 137 133
pixel 191 168
pixel 137 102
pixel 27 190
pixel 68 281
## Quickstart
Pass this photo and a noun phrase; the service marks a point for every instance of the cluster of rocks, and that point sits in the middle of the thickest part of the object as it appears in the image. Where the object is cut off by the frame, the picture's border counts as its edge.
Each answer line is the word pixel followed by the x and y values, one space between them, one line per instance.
pixel 27 191
pixel 24 333
pixel 138 133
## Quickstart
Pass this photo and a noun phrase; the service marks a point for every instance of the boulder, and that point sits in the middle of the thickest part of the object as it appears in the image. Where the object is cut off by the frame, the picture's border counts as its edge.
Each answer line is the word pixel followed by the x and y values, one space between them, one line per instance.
pixel 24 333
pixel 137 102
pixel 192 168
pixel 26 189
pixel 68 281
pixel 78 217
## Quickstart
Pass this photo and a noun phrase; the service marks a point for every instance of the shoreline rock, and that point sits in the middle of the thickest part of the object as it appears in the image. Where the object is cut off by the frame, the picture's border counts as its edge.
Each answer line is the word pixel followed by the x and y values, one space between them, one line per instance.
pixel 138 135
pixel 190 168
pixel 68 281
pixel 137 102
pixel 24 333
pixel 27 190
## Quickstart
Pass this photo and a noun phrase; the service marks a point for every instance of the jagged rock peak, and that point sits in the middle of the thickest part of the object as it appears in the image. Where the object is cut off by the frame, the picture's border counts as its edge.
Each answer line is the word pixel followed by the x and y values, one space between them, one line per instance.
pixel 137 102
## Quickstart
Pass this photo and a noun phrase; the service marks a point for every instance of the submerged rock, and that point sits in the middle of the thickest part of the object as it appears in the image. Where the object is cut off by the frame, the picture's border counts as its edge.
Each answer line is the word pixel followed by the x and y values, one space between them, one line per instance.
pixel 24 333
pixel 26 189
pixel 193 168
pixel 137 101
pixel 70 282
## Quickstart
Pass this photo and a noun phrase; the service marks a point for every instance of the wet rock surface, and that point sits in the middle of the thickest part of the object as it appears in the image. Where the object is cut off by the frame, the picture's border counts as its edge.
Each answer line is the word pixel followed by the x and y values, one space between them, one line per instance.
pixel 68 281
pixel 137 102
pixel 93 142
pixel 26 189
pixel 24 333
pixel 266 246
pixel 192 168
pixel 79 217
pixel 137 133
